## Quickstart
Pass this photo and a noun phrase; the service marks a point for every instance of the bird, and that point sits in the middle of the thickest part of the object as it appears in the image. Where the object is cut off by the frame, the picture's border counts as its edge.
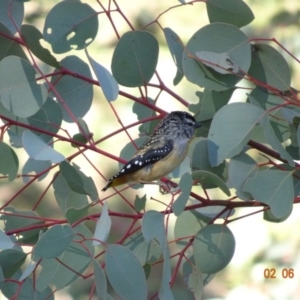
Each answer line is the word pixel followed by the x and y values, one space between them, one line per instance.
pixel 162 152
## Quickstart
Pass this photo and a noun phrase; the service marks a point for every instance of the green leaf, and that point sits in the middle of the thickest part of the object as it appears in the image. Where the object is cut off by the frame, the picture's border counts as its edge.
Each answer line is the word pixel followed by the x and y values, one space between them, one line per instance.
pixel 76 94
pixel 214 247
pixel 153 228
pixel 78 181
pixel 273 141
pixel 140 203
pixel 146 252
pixel 204 176
pixel 37 149
pixel 241 167
pixel 17 219
pixel 77 257
pixel 70 25
pixel 54 242
pixel 279 194
pixel 2 279
pixel 75 214
pixel 268 216
pixel 107 82
pixel 187 224
pixel 125 273
pixel 198 151
pixel 36 166
pixel 135 58
pixel 144 112
pixel 235 12
pixel 18 82
pixel 66 198
pixel 195 283
pixel 209 103
pixel 214 212
pixel 226 139
pixel 234 42
pixel 272 104
pixel 176 49
pixel 102 227
pixel 5 241
pixel 32 37
pixel 100 281
pixel 9 161
pixel 8 45
pixel 185 185
pixel 28 270
pixel 26 290
pixel 11 14
pixel 269 67
pixel 10 261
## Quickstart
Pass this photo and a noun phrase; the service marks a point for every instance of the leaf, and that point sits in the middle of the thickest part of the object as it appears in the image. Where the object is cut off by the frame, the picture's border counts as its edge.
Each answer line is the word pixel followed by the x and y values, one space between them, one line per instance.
pixel 54 242
pixel 11 14
pixel 226 139
pixel 241 167
pixel 140 203
pixel 18 82
pixel 146 252
pixel 235 12
pixel 195 283
pixel 187 224
pixel 5 241
pixel 77 181
pixel 209 103
pixel 279 194
pixel 214 247
pixel 14 219
pixel 125 273
pixel 144 112
pixel 107 82
pixel 28 270
pixel 8 45
pixel 32 165
pixel 213 212
pixel 75 214
pixel 185 185
pixel 269 67
pixel 70 25
pixel 135 58
pixel 274 142
pixel 32 37
pixel 9 161
pixel 198 151
pixel 100 281
pixel 208 38
pixel 66 198
pixel 220 62
pixel 102 227
pixel 203 176
pixel 176 49
pixel 10 261
pixel 77 257
pixel 37 149
pixel 77 94
pixel 153 228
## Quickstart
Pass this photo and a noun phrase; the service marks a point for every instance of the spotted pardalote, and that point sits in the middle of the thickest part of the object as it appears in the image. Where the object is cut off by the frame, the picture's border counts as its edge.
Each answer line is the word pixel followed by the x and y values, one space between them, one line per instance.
pixel 165 149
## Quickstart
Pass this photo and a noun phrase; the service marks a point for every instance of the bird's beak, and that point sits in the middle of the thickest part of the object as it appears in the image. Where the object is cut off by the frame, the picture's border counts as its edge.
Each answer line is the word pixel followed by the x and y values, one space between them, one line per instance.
pixel 198 125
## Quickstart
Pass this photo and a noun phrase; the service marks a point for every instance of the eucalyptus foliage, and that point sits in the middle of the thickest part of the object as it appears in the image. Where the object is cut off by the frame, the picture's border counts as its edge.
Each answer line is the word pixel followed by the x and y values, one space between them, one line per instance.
pixel 41 93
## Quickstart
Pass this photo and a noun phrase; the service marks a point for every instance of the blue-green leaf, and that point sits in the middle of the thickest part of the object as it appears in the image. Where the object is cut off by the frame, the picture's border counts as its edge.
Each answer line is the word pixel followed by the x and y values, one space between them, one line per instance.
pixel 70 25
pixel 125 273
pixel 54 241
pixel 37 149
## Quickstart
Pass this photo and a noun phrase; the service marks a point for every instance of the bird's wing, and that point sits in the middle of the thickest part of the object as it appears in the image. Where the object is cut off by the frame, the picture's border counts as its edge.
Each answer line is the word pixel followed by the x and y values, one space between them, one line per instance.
pixel 147 158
